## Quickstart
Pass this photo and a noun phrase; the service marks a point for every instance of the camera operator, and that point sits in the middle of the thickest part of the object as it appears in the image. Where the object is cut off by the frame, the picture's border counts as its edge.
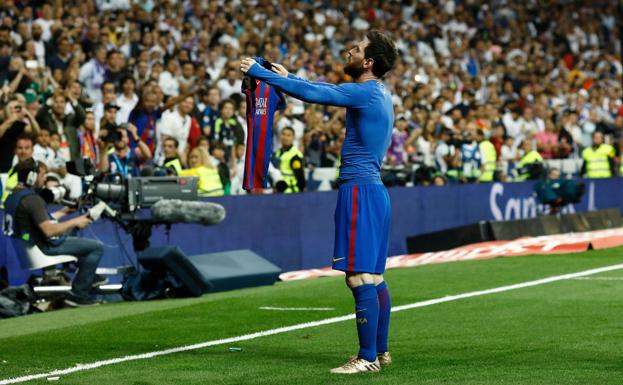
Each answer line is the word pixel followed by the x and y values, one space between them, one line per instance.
pixel 27 218
pixel 558 192
pixel 123 160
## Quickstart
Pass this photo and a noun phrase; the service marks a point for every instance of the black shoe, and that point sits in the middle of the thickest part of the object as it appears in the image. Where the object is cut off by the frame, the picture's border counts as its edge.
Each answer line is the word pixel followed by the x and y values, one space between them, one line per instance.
pixel 99 280
pixel 73 300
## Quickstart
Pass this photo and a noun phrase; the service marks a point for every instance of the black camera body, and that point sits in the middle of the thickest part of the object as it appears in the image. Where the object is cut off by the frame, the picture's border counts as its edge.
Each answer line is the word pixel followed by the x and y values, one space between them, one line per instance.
pixel 113 132
pixel 130 194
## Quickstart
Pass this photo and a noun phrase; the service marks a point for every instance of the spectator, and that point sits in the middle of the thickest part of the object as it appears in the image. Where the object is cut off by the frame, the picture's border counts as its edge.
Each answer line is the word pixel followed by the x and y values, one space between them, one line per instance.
pixel 231 84
pixel 18 121
pixel 447 156
pixel 109 96
pixel 219 151
pixel 396 153
pixel 547 141
pixel 598 159
pixel 530 164
pixel 290 160
pixel 145 117
pixel 23 150
pixel 172 159
pixel 86 136
pixel 123 160
pixel 62 56
pixel 209 180
pixel 291 117
pixel 176 123
pixel 211 110
pixel 187 79
pixel 226 128
pixel 168 79
pixel 93 73
pixel 127 100
pixel 57 119
pixel 114 67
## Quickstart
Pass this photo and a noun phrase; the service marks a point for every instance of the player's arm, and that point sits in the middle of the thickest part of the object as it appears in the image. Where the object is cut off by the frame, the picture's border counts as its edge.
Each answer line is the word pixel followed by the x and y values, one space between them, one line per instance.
pixel 345 95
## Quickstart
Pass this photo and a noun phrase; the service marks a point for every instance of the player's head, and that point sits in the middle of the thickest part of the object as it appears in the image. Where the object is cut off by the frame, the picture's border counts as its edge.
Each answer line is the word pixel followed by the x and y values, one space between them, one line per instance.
pixel 377 55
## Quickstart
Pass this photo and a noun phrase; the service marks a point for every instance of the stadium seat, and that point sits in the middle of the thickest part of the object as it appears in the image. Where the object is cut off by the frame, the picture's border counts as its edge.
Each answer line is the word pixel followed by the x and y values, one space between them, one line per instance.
pixel 32 258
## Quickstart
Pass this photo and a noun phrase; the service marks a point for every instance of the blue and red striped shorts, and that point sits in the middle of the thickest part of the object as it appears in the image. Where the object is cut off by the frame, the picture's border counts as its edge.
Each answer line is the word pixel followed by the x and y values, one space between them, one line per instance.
pixel 362 223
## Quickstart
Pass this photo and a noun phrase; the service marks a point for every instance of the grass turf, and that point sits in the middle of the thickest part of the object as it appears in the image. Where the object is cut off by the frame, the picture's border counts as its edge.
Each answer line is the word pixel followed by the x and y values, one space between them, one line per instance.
pixel 566 332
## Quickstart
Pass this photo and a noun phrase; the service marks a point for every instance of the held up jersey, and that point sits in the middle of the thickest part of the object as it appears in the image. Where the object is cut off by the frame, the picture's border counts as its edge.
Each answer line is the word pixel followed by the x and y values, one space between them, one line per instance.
pixel 263 101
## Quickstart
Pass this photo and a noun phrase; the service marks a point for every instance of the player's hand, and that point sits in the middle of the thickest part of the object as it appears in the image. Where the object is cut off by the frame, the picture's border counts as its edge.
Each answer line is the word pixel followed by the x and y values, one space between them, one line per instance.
pixel 246 63
pixel 280 70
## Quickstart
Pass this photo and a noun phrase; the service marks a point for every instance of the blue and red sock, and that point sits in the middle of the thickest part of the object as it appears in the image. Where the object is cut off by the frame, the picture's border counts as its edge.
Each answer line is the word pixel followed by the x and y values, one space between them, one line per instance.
pixel 385 309
pixel 367 316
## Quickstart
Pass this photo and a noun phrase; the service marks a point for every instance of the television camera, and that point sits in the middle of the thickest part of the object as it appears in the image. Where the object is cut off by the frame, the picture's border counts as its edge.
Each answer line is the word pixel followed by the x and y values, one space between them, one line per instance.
pixel 136 203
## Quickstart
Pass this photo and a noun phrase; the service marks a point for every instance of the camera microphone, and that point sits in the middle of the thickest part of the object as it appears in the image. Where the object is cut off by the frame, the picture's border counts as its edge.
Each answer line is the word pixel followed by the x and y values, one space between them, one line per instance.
pixel 179 211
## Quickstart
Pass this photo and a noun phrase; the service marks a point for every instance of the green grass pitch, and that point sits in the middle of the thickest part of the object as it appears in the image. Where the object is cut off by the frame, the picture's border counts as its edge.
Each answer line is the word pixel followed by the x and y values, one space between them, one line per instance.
pixel 565 332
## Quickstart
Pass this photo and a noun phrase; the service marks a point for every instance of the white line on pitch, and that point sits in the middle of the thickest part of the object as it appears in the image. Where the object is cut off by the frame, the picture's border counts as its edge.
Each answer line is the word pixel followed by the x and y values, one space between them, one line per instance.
pixel 296 308
pixel 326 321
pixel 599 278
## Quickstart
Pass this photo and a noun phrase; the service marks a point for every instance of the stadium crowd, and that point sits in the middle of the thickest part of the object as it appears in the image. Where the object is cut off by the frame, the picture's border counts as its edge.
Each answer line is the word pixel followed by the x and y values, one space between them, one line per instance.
pixel 141 87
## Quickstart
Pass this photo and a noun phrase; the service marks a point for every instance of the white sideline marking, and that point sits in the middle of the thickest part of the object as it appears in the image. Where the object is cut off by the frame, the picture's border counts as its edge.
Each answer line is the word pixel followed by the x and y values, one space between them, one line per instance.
pixel 327 321
pixel 296 308
pixel 599 278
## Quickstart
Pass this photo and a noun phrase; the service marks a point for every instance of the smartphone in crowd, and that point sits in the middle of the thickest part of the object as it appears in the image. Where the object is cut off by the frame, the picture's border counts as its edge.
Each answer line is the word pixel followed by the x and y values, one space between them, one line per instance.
pixel 31 64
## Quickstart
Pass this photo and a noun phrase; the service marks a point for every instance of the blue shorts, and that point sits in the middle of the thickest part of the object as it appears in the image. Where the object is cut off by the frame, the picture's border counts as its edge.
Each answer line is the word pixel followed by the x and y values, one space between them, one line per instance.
pixel 362 221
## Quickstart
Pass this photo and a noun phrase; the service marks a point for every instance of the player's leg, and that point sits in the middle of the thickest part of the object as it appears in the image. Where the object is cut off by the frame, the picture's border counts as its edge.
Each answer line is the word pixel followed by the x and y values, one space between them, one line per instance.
pixel 366 312
pixel 366 318
pixel 385 303
pixel 353 255
pixel 385 308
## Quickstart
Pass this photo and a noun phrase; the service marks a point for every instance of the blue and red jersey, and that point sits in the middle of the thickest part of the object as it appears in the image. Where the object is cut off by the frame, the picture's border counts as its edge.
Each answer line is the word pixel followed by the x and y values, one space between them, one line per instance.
pixel 263 101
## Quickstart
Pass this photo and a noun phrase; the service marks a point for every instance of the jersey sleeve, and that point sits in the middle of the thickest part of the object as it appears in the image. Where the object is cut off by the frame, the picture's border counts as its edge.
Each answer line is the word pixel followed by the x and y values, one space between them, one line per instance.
pixel 343 95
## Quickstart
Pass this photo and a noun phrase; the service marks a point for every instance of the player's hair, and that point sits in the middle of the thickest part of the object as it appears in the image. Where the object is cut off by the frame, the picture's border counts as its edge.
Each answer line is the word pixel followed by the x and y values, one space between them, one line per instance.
pixel 382 50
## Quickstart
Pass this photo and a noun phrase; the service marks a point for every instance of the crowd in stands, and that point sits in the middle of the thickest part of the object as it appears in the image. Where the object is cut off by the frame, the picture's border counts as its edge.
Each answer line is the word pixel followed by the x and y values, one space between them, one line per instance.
pixel 142 87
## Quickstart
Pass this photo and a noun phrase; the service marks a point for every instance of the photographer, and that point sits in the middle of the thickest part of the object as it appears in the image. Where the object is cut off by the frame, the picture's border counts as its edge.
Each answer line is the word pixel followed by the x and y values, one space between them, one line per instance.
pixel 123 161
pixel 27 218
